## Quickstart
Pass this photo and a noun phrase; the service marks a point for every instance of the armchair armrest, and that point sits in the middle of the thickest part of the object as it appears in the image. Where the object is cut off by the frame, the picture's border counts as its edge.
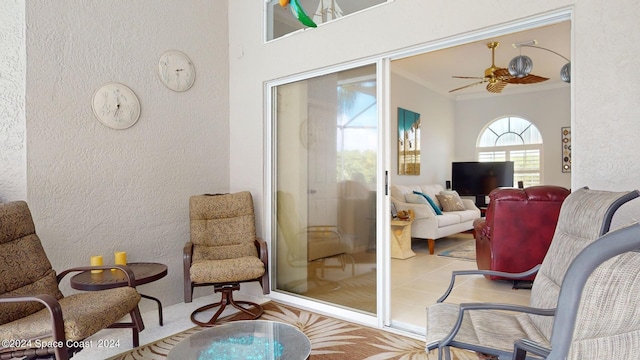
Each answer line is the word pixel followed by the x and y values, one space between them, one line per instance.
pixel 261 246
pixel 486 272
pixel 187 253
pixel 469 204
pixel 522 346
pixel 131 279
pixel 55 311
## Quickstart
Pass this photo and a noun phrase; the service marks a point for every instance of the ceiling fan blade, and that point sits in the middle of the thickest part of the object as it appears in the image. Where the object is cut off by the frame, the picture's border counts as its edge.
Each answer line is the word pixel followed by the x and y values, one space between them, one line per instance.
pixel 469 77
pixel 496 86
pixel 466 86
pixel 529 79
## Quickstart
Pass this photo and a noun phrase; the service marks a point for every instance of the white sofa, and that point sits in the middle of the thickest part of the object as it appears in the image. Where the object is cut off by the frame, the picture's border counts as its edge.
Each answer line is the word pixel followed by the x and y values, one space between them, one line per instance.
pixel 427 224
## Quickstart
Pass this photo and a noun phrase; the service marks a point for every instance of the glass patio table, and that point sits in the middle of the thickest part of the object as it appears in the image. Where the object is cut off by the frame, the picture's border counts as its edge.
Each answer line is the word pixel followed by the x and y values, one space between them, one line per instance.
pixel 243 340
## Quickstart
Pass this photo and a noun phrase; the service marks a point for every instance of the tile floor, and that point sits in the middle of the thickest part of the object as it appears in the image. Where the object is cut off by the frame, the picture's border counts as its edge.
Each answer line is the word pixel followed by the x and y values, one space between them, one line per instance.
pixel 416 283
pixel 419 281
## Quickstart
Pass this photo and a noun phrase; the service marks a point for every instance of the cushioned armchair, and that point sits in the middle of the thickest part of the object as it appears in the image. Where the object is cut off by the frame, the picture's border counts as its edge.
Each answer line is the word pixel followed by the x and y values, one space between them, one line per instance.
pixel 518 228
pixel 224 251
pixel 583 302
pixel 33 309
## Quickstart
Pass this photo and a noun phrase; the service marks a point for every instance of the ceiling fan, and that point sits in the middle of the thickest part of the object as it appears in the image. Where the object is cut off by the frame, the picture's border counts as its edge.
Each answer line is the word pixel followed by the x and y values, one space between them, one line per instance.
pixel 497 78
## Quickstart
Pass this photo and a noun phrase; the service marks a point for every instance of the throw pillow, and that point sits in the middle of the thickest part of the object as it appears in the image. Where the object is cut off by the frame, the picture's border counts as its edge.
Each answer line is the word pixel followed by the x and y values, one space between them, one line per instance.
pixel 430 201
pixel 415 199
pixel 450 202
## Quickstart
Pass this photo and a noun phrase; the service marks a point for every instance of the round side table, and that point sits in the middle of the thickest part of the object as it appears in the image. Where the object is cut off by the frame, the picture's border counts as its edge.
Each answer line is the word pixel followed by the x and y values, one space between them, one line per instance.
pixel 144 272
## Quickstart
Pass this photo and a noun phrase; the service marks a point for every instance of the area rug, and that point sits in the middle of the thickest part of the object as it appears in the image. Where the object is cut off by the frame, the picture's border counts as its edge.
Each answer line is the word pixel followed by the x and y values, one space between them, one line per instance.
pixel 331 339
pixel 464 251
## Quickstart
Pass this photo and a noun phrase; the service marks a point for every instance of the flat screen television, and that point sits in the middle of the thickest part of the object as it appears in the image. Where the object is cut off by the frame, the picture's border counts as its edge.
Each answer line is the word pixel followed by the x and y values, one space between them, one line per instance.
pixel 477 179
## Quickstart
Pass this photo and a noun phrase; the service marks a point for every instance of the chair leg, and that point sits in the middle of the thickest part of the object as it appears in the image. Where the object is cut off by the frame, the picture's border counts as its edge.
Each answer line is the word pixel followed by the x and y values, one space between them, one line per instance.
pixel 138 325
pixel 188 289
pixel 227 299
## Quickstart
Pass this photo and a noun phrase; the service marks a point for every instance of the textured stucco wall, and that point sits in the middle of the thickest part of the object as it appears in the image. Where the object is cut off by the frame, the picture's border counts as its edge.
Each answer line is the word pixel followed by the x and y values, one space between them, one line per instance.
pixel 605 41
pixel 13 165
pixel 94 190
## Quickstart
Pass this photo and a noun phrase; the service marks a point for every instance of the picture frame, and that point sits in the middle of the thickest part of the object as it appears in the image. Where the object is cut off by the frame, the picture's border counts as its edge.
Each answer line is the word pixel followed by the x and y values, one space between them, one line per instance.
pixel 408 142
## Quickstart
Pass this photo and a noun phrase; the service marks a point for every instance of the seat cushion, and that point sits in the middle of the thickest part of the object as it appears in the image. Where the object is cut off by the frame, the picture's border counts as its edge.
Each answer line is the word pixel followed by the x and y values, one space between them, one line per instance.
pixel 229 270
pixel 47 284
pixel 448 219
pixel 84 314
pixel 483 328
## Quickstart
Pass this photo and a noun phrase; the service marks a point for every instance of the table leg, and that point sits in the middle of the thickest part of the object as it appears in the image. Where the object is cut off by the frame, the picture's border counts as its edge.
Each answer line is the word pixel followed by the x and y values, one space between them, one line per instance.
pixel 159 306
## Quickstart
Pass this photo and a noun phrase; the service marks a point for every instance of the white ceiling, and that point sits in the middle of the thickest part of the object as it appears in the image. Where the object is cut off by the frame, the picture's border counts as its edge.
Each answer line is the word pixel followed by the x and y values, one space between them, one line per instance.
pixel 435 69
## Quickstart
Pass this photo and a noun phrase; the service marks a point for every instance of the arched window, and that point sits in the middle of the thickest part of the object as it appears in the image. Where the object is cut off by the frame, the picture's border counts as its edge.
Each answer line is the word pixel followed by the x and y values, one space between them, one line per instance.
pixel 514 139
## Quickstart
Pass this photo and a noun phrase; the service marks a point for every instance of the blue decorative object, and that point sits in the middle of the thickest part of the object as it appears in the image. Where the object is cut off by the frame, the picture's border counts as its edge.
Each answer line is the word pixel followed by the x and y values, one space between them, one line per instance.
pixel 243 348
pixel 431 202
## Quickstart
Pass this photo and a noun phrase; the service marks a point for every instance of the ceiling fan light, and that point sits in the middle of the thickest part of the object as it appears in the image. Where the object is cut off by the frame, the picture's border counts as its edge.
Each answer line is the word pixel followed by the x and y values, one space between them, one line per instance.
pixel 565 73
pixel 520 66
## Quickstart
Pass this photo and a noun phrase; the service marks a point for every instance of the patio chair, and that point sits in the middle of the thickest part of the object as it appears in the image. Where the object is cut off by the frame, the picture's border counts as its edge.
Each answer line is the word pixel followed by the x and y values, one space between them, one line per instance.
pixel 309 248
pixel 224 252
pixel 605 326
pixel 493 329
pixel 33 311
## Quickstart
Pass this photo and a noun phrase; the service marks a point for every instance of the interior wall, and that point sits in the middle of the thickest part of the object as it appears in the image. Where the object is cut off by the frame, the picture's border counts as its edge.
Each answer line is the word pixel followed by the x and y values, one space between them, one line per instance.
pixel 13 164
pixel 94 190
pixel 548 110
pixel 437 123
pixel 450 128
pixel 604 113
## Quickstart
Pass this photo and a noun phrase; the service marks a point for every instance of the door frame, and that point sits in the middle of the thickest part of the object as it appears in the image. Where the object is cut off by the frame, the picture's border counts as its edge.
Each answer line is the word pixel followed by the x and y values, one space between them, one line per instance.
pixel 382 201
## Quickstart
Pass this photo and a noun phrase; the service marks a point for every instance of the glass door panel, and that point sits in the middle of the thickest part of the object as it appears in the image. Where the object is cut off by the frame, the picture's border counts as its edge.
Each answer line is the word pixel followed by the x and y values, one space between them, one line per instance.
pixel 326 131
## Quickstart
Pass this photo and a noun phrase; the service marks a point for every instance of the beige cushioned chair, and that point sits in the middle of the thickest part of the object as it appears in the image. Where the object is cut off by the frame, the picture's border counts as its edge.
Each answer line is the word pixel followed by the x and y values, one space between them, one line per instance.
pixel 606 326
pixel 224 251
pixel 32 306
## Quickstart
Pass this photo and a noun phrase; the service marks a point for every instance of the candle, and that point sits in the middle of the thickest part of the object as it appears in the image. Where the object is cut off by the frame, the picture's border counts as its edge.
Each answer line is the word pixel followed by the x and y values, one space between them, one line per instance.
pixel 96 261
pixel 121 258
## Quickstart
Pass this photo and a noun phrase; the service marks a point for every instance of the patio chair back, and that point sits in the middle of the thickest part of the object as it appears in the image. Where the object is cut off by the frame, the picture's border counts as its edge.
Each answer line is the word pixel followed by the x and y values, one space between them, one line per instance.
pixel 576 229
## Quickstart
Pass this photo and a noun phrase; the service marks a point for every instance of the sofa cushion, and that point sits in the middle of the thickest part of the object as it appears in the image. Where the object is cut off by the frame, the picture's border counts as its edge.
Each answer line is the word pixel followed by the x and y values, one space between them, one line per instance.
pixel 447 219
pixel 450 201
pixel 415 199
pixel 430 201
pixel 432 191
pixel 467 215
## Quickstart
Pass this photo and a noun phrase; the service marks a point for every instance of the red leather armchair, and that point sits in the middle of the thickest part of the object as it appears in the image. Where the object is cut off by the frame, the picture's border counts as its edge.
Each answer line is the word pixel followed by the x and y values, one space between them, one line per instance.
pixel 517 230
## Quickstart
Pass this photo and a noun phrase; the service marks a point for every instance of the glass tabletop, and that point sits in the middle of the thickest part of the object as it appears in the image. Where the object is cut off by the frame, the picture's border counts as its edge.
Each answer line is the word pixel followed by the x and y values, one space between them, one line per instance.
pixel 245 340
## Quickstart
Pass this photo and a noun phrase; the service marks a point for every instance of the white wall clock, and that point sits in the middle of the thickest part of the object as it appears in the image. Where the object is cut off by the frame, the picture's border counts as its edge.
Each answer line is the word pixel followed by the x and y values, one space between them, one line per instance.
pixel 176 71
pixel 116 106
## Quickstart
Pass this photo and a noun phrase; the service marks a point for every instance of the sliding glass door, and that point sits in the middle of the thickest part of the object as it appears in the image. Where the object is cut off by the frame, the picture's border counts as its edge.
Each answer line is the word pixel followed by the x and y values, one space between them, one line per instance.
pixel 324 165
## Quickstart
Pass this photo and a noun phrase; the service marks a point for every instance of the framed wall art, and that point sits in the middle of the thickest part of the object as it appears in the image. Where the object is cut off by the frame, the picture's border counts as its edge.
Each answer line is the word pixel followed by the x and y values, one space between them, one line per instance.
pixel 566 149
pixel 408 142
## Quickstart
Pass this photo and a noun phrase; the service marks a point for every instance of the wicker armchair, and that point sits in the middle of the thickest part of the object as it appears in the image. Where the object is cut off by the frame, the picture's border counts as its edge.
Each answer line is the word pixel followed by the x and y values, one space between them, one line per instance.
pixel 32 308
pixel 224 252
pixel 606 323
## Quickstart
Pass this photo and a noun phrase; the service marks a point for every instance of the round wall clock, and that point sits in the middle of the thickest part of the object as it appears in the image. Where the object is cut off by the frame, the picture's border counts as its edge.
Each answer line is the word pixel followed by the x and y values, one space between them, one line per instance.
pixel 116 106
pixel 176 71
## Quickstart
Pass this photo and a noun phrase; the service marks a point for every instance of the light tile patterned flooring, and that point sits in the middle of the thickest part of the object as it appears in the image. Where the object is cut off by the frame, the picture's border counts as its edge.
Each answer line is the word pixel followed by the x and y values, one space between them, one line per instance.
pixel 419 281
pixel 416 283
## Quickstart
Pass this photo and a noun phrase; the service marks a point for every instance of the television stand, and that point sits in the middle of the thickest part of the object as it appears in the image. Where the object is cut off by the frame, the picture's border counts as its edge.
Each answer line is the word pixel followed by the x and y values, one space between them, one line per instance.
pixel 481 201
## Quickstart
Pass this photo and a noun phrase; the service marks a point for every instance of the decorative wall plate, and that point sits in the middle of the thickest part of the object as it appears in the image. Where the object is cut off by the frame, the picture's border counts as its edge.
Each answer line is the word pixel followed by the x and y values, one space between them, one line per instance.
pixel 176 71
pixel 116 106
